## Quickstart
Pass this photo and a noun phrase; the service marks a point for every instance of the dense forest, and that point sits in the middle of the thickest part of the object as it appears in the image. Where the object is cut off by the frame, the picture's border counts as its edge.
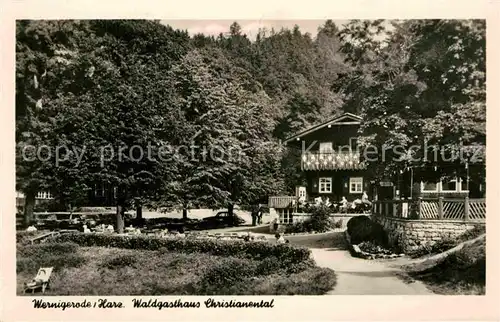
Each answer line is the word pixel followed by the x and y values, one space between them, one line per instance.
pixel 85 85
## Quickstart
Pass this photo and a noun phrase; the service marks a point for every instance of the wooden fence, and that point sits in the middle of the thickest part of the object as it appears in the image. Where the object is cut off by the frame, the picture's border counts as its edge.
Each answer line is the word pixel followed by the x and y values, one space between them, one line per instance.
pixel 433 209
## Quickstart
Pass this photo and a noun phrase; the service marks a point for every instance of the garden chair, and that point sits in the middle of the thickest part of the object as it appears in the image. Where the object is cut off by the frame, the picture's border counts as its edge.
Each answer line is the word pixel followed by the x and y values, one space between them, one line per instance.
pixel 41 280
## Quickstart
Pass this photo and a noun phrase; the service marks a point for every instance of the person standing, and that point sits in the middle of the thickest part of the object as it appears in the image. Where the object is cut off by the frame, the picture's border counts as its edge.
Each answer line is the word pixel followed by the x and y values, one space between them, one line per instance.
pixel 259 216
pixel 254 216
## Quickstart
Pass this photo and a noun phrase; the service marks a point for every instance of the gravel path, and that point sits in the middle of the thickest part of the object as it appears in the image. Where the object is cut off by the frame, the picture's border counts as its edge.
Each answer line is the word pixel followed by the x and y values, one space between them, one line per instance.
pixel 357 276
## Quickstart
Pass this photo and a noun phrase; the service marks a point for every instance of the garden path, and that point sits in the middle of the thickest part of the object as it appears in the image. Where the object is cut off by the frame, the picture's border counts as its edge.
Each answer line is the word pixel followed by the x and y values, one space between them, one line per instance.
pixel 356 276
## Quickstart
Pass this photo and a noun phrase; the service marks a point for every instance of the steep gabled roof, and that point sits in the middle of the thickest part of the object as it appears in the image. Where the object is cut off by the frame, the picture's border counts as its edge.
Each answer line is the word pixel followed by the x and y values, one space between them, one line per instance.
pixel 337 120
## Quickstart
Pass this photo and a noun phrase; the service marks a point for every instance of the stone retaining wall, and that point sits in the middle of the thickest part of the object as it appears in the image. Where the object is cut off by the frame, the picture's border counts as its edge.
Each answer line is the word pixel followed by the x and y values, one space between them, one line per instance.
pixel 411 235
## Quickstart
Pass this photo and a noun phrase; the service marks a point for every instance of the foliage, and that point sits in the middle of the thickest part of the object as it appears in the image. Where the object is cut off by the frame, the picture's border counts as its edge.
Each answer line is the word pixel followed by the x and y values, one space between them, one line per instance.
pixel 172 273
pixel 447 243
pixel 363 229
pixel 416 82
pixel 58 255
pixel 122 83
pixel 318 221
pixel 119 261
pixel 256 250
pixel 461 272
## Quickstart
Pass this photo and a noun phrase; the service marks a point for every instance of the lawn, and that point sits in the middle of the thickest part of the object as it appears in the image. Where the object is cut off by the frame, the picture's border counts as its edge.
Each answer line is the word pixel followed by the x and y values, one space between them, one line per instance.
pixel 116 271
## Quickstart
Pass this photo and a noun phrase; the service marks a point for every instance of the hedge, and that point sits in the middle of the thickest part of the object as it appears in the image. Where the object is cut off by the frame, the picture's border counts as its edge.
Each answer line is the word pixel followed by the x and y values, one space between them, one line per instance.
pixel 363 229
pixel 256 250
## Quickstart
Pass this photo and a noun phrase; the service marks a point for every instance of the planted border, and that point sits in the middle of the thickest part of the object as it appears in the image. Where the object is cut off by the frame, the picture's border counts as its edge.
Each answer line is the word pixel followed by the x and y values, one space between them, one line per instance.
pixel 238 248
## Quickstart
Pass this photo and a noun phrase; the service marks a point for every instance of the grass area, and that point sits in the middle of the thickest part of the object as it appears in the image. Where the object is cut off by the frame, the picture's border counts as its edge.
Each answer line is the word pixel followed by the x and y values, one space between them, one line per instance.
pixel 462 272
pixel 116 271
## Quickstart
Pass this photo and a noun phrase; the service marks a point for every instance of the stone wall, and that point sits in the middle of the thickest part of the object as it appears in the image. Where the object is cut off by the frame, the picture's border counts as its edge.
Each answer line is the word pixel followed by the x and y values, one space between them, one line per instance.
pixel 410 235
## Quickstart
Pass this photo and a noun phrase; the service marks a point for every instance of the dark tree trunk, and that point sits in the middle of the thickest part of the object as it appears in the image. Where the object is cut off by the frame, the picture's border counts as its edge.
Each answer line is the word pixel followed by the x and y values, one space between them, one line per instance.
pixel 29 206
pixel 184 213
pixel 120 224
pixel 230 213
pixel 138 217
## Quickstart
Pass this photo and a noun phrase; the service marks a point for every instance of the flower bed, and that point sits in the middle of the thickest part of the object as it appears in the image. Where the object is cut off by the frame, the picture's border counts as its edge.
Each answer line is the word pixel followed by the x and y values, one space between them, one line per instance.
pixel 238 248
pixel 367 239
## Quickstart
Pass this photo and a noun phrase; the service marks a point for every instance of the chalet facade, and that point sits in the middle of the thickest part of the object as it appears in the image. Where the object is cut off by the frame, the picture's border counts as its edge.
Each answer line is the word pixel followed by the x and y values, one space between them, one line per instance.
pixel 333 168
pixel 330 160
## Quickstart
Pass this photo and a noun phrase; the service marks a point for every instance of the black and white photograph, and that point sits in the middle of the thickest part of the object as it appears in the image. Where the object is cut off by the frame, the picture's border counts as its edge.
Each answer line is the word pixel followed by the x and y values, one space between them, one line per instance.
pixel 249 157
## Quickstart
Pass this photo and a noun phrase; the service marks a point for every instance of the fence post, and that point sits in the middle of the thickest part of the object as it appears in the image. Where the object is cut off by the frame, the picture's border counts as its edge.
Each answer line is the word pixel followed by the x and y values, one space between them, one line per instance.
pixel 419 208
pixel 466 209
pixel 440 208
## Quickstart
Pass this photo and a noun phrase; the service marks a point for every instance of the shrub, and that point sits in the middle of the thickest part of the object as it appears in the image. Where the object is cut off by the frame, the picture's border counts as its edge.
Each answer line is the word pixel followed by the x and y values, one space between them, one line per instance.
pixel 338 223
pixel 63 255
pixel 363 229
pixel 448 243
pixel 49 249
pixel 320 218
pixel 237 248
pixel 120 261
pixel 24 236
pixel 299 227
pixel 319 221
pixel 268 265
pixel 229 271
pixel 463 271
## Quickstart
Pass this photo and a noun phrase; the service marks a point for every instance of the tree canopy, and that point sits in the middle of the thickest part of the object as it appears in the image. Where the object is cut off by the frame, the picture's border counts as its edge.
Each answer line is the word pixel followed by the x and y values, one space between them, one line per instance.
pixel 171 120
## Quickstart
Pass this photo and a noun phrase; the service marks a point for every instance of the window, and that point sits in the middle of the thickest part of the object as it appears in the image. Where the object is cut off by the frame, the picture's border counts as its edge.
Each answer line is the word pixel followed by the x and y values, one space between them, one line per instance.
pixel 325 147
pixel 464 185
pixel 429 186
pixel 99 190
pixel 455 185
pixel 356 185
pixel 286 216
pixel 325 185
pixel 353 143
pixel 449 185
pixel 301 193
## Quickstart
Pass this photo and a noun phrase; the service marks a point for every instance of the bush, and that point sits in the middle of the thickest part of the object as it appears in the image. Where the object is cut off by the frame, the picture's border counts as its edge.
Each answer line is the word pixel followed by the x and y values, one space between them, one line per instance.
pixel 338 223
pixel 320 219
pixel 58 255
pixel 448 243
pixel 461 272
pixel 237 248
pixel 363 229
pixel 120 261
pixel 48 249
pixel 24 236
pixel 225 274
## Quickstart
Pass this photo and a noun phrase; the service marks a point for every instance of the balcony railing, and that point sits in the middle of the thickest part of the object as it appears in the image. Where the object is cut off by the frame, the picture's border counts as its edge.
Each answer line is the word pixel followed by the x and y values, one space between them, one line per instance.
pixel 433 209
pixel 332 161
pixel 281 202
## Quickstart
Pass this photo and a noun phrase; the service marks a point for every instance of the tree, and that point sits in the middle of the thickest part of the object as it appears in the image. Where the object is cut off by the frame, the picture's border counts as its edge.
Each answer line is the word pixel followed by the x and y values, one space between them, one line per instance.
pixel 46 52
pixel 103 89
pixel 227 136
pixel 413 82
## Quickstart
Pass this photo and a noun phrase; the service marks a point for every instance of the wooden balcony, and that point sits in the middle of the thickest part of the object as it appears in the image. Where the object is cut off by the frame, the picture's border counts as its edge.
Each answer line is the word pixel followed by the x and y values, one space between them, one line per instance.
pixel 331 161
pixel 281 202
